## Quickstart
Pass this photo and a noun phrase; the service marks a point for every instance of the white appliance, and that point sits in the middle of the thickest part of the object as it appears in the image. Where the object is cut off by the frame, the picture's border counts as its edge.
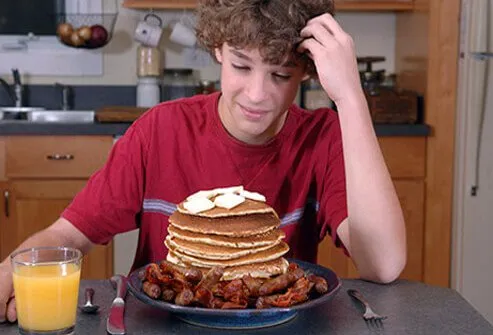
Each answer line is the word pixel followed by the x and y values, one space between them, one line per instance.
pixel 472 244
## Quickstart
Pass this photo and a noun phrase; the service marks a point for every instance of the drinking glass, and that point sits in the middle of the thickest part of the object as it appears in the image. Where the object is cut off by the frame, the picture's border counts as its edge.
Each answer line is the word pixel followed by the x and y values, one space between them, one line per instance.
pixel 46 287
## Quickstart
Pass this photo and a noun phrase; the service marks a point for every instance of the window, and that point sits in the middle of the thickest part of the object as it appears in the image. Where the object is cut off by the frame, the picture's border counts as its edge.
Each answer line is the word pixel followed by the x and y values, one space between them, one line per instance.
pixel 28 38
pixel 20 17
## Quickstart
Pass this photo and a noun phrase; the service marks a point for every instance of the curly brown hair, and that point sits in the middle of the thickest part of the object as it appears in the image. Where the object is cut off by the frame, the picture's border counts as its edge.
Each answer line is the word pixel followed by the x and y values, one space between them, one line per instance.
pixel 271 26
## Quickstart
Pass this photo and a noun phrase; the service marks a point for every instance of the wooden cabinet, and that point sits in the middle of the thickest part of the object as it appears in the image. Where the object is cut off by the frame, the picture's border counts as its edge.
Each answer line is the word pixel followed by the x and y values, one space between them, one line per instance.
pixel 43 174
pixel 56 157
pixel 5 221
pixel 426 58
pixel 341 5
pixel 405 157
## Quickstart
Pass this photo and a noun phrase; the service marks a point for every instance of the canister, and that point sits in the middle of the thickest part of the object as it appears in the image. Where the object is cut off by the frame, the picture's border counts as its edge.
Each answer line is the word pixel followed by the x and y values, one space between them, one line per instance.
pixel 148 61
pixel 178 83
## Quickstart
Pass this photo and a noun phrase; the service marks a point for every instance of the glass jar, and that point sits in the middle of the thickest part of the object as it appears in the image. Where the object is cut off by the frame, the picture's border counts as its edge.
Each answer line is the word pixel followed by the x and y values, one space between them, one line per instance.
pixel 178 83
pixel 148 61
pixel 313 95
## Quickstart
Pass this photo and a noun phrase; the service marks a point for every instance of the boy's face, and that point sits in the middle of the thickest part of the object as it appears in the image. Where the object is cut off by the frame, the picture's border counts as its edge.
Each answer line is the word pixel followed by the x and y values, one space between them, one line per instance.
pixel 255 95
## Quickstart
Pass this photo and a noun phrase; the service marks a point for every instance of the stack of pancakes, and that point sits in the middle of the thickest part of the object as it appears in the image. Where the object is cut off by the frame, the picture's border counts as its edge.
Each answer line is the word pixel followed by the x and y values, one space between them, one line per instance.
pixel 245 239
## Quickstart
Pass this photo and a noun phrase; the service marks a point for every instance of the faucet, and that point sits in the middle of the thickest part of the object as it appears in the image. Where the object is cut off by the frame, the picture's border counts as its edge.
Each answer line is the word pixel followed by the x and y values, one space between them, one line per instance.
pixel 66 96
pixel 16 94
pixel 18 89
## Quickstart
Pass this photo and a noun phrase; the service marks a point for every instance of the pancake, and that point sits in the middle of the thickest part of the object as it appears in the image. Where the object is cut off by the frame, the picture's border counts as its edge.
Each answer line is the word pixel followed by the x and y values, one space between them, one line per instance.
pixel 269 238
pixel 245 225
pixel 263 256
pixel 256 270
pixel 227 227
pixel 246 208
pixel 211 251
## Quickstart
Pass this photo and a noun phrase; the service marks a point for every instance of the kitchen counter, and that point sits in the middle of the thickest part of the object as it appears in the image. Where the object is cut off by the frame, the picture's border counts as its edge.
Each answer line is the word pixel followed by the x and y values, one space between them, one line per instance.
pixel 410 307
pixel 31 128
pixel 115 129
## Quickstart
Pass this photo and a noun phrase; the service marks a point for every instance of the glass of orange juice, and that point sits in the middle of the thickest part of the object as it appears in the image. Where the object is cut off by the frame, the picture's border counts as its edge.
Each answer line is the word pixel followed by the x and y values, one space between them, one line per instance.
pixel 46 287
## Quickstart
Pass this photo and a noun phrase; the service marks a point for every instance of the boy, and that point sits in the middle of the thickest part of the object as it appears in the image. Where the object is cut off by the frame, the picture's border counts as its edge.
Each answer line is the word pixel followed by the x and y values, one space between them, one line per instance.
pixel 322 172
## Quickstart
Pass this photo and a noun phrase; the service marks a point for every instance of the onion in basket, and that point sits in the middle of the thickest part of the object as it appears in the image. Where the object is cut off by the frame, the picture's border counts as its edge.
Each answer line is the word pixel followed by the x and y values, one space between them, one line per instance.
pixel 85 32
pixel 64 31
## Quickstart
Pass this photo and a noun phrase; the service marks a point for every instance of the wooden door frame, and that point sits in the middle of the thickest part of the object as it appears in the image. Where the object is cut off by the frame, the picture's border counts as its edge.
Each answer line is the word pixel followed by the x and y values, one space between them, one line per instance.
pixel 440 115
pixel 427 47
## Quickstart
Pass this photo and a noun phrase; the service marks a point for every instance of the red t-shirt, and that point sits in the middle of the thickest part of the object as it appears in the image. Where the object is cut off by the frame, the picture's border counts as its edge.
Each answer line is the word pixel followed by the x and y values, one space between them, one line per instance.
pixel 180 147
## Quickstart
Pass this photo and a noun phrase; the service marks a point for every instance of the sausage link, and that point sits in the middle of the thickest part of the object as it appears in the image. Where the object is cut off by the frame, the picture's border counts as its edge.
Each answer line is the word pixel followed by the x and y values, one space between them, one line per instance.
pixel 190 273
pixel 151 289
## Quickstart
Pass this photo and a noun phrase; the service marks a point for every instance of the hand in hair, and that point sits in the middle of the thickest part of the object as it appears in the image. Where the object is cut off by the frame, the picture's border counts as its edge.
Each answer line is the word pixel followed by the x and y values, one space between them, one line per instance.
pixel 332 51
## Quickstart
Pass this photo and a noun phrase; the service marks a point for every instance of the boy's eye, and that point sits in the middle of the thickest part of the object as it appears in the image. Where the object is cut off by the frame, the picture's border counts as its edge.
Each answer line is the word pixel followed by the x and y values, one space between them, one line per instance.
pixel 240 67
pixel 282 76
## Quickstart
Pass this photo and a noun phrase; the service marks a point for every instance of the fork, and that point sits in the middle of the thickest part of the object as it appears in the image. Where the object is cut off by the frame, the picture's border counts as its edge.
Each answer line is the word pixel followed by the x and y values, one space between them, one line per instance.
pixel 371 318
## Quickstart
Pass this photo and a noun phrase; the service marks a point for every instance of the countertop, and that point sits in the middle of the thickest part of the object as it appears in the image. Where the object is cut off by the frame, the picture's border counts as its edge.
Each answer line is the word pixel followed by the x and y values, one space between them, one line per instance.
pixel 32 128
pixel 411 308
pixel 116 129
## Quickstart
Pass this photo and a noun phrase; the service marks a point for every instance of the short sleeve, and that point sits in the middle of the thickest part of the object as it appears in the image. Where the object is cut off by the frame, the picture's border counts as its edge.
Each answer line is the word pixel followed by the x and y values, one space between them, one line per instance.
pixel 112 198
pixel 331 184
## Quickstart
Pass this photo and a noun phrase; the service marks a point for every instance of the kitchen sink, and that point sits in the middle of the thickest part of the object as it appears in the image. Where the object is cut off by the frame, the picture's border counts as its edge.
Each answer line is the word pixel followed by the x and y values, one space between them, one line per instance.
pixel 33 114
pixel 61 116
pixel 20 109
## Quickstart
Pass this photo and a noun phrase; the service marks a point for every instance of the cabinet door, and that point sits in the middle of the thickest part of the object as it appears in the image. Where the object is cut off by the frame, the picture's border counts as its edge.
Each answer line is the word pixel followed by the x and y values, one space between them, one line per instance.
pixel 411 196
pixel 34 205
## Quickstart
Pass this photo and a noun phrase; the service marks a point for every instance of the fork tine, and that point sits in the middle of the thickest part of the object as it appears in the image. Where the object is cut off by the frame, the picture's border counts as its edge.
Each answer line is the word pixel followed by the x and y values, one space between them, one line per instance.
pixel 372 327
pixel 374 324
pixel 378 323
pixel 368 324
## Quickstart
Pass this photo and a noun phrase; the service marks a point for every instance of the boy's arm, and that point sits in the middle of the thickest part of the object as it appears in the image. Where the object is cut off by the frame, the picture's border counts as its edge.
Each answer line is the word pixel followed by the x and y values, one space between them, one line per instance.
pixel 374 232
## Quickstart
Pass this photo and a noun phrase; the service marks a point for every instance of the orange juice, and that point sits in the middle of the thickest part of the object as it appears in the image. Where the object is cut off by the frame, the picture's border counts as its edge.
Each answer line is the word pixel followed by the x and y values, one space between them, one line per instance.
pixel 46 296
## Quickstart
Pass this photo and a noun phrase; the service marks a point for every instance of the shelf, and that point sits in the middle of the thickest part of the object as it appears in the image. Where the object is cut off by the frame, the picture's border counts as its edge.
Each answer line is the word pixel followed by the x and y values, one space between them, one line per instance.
pixel 342 6
pixel 160 4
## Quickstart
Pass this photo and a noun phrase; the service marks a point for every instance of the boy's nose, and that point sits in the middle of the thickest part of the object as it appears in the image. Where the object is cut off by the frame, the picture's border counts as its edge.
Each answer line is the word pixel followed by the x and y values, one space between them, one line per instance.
pixel 256 89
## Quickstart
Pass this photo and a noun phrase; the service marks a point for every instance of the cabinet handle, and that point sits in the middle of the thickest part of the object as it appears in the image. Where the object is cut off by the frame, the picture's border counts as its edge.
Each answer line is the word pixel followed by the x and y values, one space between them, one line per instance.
pixel 58 157
pixel 6 197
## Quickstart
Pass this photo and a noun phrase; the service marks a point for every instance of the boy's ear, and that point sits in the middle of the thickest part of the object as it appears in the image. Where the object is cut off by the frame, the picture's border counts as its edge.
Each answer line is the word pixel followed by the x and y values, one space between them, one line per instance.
pixel 219 56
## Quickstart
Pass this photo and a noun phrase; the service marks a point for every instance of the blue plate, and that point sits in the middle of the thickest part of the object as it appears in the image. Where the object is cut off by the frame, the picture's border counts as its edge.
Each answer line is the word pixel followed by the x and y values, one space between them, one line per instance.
pixel 239 318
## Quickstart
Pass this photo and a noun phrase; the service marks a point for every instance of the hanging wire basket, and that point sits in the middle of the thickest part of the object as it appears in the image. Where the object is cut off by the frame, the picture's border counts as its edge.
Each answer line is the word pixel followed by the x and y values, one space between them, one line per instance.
pixel 87 31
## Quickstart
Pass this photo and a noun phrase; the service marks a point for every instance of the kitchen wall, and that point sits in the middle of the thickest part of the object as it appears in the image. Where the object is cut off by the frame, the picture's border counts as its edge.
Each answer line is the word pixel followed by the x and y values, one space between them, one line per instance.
pixel 374 34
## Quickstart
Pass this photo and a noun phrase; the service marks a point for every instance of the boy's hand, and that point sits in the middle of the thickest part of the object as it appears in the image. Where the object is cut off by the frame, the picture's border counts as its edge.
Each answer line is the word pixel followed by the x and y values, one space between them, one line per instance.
pixel 332 51
pixel 7 300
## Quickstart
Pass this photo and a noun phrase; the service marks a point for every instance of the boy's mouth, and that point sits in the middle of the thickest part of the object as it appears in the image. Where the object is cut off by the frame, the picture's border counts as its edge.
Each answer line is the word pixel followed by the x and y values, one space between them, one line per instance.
pixel 252 113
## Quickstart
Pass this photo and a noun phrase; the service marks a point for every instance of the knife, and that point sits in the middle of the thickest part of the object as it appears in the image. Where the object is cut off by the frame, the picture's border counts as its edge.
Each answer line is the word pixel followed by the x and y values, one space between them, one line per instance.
pixel 115 324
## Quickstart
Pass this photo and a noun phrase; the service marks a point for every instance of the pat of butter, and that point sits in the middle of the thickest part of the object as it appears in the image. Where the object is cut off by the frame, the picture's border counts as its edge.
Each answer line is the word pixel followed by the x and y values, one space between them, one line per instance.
pixel 208 194
pixel 232 189
pixel 252 195
pixel 228 200
pixel 198 205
